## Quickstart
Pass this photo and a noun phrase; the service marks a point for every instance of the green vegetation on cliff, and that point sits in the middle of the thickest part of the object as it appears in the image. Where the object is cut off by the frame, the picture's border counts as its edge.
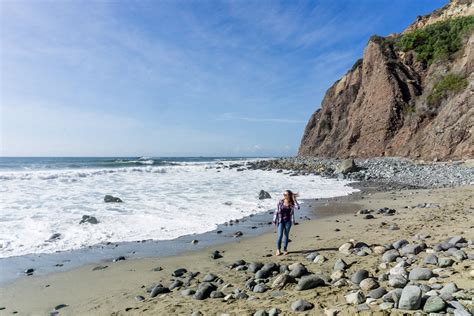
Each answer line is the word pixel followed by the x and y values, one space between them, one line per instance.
pixel 451 83
pixel 437 41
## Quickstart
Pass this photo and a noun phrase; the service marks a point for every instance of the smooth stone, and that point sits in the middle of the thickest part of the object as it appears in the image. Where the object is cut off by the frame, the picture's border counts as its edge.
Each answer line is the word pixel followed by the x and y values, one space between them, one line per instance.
pixel 188 292
pixel 448 290
pixel 204 290
pixel 260 288
pixel 261 312
pixel 359 275
pixel 434 304
pixel 377 293
pixel 209 278
pixel 340 265
pixel 139 298
pixel 298 271
pixel 420 274
pixel 309 282
pixel 385 306
pixel 274 311
pixel 445 262
pixel 400 243
pixel 159 290
pixel 345 248
pixel 390 255
pixel 311 256
pixel 216 294
pixel 301 306
pixel 255 266
pixel 112 199
pixel 431 259
pixel 320 259
pixel 282 280
pixel 176 284
pixel 397 281
pixel 411 298
pixel 179 272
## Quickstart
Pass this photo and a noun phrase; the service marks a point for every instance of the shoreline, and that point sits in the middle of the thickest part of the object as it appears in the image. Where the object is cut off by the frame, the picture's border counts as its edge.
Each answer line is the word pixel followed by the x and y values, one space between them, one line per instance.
pixel 113 289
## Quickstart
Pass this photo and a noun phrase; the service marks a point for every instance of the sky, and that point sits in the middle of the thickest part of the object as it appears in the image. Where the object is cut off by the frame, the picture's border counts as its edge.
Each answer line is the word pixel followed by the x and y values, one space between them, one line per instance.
pixel 177 78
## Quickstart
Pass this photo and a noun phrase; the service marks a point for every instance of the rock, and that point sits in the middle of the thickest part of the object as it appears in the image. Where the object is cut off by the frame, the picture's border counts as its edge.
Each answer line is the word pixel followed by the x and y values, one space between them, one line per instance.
pixel 390 255
pixel 431 259
pixel 264 195
pixel 459 255
pixel 157 269
pixel 345 248
pixel 204 290
pixel 411 298
pixel 301 306
pixel 159 289
pixel 250 284
pixel 319 259
pixel 377 293
pixel 341 283
pixel 385 306
pixel 54 237
pixel 274 311
pixel 29 271
pixel 260 288
pixel 400 243
pixel 112 199
pixel 331 311
pixel 261 312
pixel 346 166
pixel 359 275
pixel 411 249
pixel 179 272
pixel 298 271
pixel 140 298
pixel 119 258
pixel 397 281
pixel 188 292
pixel 448 290
pixel 209 277
pixel 340 265
pixel 368 284
pixel 255 266
pixel 368 216
pixel 311 256
pixel 282 280
pixel 238 234
pixel 355 298
pixel 216 294
pixel 379 250
pixel 420 274
pixel 197 313
pixel 262 274
pixel 88 219
pixel 194 241
pixel 216 255
pixel 445 262
pixel 434 304
pixel 176 284
pixel 337 275
pixel 99 268
pixel 309 282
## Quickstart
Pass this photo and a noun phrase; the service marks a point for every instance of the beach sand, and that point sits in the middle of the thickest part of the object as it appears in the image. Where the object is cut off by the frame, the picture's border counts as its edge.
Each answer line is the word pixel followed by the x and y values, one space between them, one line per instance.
pixel 112 291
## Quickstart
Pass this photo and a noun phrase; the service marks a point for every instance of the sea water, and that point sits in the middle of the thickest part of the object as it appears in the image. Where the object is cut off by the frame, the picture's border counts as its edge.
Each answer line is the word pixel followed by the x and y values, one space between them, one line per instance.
pixel 163 198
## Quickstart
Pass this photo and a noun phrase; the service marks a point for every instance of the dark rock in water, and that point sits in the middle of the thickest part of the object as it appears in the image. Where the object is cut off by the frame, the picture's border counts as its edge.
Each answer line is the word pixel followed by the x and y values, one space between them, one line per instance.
pixel 88 219
pixel 411 298
pixel 159 289
pixel 120 258
pixel 54 237
pixel 359 275
pixel 238 234
pixel 264 195
pixel 29 271
pixel 179 272
pixel 194 241
pixel 139 298
pixel 301 306
pixel 308 282
pixel 99 268
pixel 219 232
pixel 204 291
pixel 216 254
pixel 112 199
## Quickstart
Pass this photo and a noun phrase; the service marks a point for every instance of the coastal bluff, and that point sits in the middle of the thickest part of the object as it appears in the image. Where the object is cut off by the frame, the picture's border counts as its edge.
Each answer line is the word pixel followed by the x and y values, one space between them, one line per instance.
pixel 411 95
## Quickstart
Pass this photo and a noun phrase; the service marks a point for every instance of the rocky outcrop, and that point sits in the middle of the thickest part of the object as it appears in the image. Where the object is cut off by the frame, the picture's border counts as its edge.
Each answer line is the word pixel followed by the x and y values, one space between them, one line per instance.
pixel 380 107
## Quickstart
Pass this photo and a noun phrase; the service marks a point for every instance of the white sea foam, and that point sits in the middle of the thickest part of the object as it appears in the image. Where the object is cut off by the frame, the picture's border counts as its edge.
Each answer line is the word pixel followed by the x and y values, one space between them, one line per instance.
pixel 159 203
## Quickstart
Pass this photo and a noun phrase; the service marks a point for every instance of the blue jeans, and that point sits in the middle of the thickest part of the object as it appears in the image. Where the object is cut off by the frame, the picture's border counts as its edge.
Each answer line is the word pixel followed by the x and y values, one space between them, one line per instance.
pixel 283 228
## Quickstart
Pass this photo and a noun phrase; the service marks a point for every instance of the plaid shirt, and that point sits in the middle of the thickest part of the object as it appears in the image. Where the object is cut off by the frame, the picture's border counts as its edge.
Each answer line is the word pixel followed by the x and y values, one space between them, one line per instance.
pixel 278 216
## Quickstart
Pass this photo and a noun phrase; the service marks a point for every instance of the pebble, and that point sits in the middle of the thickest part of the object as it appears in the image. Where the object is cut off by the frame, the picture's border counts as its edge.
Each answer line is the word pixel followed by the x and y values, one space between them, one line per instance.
pixel 434 304
pixel 420 274
pixel 301 306
pixel 355 298
pixel 340 265
pixel 368 284
pixel 359 275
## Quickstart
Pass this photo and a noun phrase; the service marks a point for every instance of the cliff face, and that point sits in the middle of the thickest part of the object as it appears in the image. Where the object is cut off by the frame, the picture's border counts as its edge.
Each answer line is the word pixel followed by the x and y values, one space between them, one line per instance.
pixel 381 106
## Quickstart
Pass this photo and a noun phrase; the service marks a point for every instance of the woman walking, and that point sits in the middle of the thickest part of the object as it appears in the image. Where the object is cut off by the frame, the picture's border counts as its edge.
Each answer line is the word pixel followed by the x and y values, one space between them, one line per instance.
pixel 284 217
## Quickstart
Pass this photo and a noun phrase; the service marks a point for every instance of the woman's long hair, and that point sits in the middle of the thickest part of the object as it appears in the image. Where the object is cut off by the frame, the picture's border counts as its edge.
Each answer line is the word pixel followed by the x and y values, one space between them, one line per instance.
pixel 291 197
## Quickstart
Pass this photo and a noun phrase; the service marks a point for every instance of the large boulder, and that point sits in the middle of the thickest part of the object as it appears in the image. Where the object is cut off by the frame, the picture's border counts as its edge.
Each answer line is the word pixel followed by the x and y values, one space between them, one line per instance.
pixel 264 195
pixel 112 199
pixel 346 166
pixel 88 219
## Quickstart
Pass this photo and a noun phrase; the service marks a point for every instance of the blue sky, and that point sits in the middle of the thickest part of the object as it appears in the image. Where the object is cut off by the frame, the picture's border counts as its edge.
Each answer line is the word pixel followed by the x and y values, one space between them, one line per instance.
pixel 167 78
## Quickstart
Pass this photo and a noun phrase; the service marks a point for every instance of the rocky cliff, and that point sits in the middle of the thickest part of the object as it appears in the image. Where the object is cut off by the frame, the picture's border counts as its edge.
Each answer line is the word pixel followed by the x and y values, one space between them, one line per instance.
pixel 406 96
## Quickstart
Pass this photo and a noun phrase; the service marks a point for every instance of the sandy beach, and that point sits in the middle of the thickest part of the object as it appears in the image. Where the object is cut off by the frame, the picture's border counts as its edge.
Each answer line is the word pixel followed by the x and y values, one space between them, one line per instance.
pixel 113 290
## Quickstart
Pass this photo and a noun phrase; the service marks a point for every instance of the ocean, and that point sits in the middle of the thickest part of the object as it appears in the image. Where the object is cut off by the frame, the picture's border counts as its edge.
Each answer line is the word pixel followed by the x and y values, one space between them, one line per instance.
pixel 163 198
